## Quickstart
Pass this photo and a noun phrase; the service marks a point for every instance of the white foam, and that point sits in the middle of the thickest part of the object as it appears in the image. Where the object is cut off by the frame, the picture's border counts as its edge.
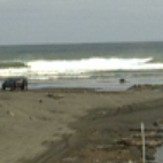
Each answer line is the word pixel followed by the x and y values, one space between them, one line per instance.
pixel 57 68
pixel 92 64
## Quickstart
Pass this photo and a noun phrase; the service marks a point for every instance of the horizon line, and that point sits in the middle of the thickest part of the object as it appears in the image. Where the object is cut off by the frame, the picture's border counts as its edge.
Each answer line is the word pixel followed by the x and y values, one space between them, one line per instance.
pixel 80 43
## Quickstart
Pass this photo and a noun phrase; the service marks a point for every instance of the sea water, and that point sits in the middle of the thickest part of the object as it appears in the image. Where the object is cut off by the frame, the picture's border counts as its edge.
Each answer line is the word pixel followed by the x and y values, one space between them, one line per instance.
pixel 84 65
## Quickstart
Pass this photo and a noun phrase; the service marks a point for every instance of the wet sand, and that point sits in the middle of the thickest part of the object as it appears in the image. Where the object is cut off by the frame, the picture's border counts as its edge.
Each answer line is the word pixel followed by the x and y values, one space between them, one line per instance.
pixel 73 125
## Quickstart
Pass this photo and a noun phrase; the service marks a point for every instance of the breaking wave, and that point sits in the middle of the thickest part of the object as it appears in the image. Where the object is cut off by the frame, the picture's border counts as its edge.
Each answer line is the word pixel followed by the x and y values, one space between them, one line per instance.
pixel 46 69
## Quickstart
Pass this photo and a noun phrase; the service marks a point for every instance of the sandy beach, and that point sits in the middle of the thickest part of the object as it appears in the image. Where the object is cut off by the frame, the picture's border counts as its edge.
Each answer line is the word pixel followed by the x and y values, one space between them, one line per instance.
pixel 73 125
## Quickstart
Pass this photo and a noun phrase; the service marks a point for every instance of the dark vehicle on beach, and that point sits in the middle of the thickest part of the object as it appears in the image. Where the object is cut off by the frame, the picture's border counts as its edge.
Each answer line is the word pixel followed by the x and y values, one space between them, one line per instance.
pixel 14 83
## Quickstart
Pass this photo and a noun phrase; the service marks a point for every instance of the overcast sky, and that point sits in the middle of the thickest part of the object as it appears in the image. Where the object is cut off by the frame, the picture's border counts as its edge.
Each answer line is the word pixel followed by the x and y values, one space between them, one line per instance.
pixel 75 21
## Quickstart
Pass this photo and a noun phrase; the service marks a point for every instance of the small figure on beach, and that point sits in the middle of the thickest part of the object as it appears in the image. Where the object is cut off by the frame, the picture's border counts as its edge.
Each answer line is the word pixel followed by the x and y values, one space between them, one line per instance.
pixel 122 81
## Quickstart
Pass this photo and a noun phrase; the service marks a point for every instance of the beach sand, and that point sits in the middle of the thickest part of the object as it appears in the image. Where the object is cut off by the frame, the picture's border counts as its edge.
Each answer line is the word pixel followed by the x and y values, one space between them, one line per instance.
pixel 73 125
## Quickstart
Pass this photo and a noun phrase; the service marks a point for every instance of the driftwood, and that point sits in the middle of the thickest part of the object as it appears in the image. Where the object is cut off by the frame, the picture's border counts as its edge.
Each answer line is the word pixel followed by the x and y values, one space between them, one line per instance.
pixel 150 143
pixel 149 135
pixel 147 129
pixel 55 97
pixel 104 147
pixel 132 142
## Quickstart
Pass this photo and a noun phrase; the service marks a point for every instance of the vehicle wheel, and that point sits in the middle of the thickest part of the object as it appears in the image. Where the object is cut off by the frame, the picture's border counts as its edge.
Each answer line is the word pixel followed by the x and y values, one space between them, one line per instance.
pixel 3 88
pixel 22 87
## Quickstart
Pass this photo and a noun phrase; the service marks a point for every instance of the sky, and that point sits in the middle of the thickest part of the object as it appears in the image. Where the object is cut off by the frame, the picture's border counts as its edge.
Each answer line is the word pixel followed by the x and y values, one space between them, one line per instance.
pixel 80 21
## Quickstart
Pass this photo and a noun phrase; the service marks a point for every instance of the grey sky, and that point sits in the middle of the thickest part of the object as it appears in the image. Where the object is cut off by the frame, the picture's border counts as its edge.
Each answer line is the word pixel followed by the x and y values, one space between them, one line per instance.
pixel 74 21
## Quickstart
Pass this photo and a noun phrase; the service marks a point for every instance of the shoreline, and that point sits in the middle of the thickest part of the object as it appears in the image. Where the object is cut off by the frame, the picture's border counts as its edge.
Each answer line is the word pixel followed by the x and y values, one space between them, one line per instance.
pixel 70 125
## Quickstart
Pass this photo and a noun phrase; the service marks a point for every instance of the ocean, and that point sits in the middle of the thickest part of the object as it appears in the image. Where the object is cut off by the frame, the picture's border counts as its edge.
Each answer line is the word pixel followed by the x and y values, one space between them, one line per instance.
pixel 97 65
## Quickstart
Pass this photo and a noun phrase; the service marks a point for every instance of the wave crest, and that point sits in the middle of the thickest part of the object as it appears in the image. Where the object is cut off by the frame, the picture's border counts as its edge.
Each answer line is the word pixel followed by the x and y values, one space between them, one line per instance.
pixel 92 64
pixel 44 69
